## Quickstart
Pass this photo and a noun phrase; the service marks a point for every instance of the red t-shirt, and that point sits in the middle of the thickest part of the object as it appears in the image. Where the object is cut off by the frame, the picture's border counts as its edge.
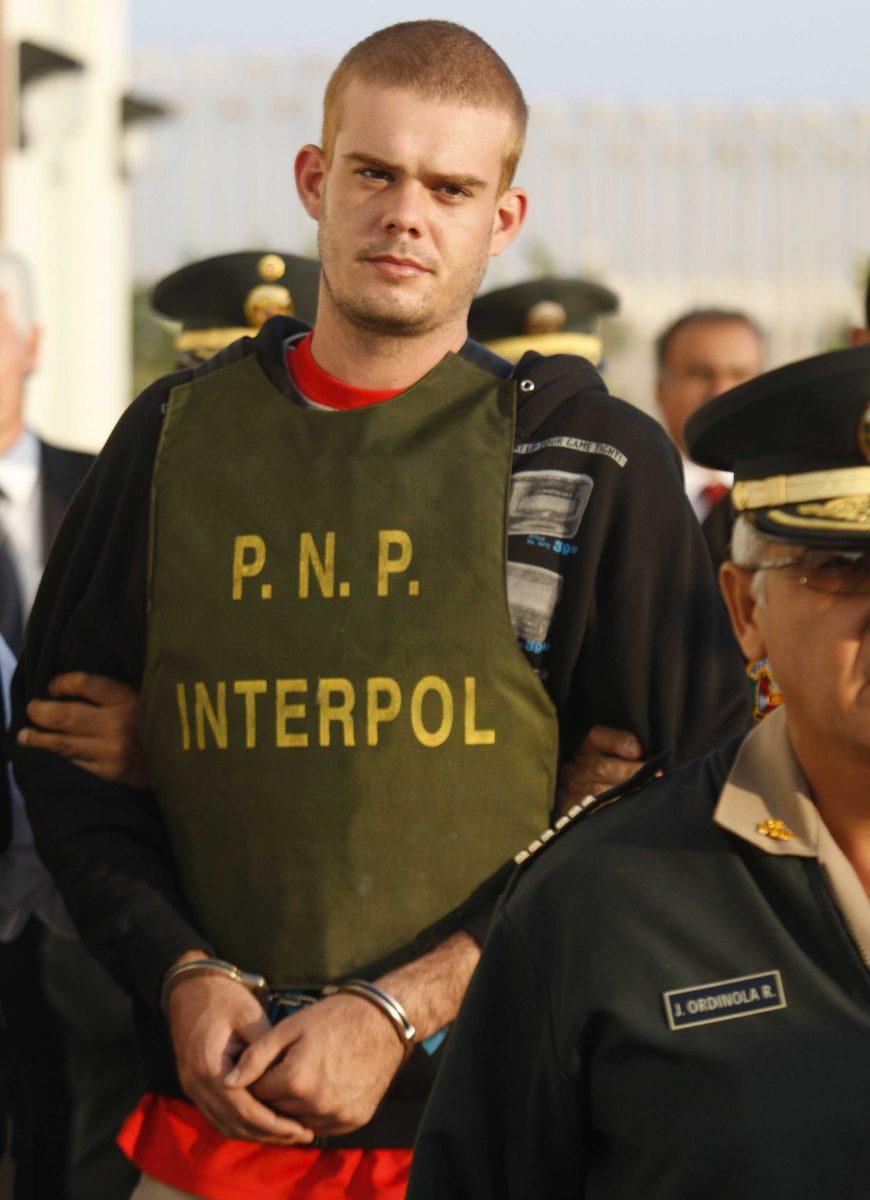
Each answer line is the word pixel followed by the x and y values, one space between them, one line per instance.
pixel 323 389
pixel 170 1139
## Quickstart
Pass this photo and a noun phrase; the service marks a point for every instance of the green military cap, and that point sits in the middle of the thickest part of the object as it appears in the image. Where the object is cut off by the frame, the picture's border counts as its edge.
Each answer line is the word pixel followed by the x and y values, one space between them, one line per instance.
pixel 549 315
pixel 798 442
pixel 220 299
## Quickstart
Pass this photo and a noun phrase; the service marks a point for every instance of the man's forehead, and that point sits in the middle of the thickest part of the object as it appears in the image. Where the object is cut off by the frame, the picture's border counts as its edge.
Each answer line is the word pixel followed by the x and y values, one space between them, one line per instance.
pixel 707 338
pixel 402 125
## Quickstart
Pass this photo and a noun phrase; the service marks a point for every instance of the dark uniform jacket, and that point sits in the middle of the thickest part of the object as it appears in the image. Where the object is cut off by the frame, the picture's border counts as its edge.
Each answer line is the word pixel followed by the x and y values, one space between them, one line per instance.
pixel 638 640
pixel 61 472
pixel 674 1002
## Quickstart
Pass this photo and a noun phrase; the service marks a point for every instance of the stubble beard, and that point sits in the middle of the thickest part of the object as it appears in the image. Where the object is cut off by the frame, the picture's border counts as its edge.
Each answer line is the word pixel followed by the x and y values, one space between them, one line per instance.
pixel 382 319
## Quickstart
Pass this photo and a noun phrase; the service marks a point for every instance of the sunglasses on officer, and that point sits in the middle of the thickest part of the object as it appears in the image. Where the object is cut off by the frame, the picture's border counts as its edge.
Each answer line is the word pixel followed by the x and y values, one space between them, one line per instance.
pixel 838 572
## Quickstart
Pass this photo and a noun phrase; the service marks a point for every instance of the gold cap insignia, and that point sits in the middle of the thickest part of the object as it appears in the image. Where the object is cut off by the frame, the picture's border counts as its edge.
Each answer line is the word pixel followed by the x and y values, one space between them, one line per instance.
pixel 547 316
pixel 864 433
pixel 271 267
pixel 776 830
pixel 267 300
pixel 853 511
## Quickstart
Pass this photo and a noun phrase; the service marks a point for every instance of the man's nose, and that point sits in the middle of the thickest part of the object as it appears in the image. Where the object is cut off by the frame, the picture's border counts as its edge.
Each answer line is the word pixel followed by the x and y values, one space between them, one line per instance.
pixel 404 210
pixel 717 383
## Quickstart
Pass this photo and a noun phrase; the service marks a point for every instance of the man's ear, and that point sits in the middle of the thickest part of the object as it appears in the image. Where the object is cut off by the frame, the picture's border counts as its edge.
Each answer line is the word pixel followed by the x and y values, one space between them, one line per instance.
pixel 310 171
pixel 743 609
pixel 510 213
pixel 664 403
pixel 660 388
pixel 31 349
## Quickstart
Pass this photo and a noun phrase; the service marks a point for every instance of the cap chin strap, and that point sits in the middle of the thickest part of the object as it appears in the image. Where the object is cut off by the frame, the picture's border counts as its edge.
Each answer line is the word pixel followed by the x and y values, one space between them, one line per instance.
pixel 797 489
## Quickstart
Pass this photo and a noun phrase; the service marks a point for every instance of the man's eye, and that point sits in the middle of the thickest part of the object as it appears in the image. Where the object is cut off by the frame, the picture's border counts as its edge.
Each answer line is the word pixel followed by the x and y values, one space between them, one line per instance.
pixel 453 190
pixel 372 173
pixel 847 572
pixel 836 562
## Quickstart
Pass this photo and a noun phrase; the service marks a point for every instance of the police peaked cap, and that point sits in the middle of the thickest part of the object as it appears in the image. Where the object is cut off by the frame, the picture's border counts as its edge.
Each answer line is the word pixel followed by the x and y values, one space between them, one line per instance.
pixel 220 299
pixel 551 315
pixel 798 442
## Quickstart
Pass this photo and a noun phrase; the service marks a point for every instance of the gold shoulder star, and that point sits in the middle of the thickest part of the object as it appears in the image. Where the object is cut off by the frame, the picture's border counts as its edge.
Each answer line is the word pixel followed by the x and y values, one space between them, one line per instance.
pixel 775 829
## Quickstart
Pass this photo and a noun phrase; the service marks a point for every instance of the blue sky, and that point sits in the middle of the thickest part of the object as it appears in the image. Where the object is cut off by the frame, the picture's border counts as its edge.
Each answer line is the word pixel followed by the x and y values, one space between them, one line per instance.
pixel 735 51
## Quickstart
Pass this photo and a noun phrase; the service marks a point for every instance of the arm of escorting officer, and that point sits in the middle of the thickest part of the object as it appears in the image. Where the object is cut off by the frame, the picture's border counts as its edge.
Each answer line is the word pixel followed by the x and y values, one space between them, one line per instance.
pixel 101 733
pixel 657 669
pixel 92 721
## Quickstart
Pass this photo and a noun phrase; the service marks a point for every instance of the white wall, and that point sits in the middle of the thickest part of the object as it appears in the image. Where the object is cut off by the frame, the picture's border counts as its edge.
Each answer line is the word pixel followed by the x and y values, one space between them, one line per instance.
pixel 65 209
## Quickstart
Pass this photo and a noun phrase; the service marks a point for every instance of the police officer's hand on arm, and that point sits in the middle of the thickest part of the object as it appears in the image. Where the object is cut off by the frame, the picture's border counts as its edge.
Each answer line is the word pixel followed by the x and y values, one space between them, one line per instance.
pixel 212 1019
pixel 605 758
pixel 330 1064
pixel 92 721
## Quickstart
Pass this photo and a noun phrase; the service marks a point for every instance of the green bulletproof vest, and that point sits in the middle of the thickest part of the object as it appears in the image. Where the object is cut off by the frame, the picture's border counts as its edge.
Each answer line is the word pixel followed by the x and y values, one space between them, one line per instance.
pixel 341 731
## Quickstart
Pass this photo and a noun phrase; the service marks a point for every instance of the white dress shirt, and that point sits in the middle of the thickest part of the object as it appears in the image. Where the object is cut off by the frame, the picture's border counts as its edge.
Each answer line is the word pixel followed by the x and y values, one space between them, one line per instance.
pixel 21 512
pixel 697 479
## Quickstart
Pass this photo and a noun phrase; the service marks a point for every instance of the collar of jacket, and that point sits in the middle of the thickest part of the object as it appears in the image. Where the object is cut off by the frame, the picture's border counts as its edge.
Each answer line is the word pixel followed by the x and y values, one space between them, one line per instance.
pixel 766 801
pixel 556 378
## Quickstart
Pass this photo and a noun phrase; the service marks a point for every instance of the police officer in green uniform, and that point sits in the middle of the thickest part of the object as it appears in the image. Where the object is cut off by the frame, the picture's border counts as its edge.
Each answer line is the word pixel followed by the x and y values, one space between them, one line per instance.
pixel 220 299
pixel 549 315
pixel 364 636
pixel 675 997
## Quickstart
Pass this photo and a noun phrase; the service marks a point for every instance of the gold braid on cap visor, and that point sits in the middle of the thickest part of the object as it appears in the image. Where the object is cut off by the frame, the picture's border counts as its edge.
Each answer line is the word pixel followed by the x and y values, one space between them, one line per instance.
pixel 800 489
pixel 844 514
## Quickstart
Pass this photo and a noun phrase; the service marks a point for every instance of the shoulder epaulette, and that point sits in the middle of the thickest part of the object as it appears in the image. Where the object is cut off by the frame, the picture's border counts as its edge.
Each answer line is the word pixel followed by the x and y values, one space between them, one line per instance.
pixel 577 810
pixel 589 805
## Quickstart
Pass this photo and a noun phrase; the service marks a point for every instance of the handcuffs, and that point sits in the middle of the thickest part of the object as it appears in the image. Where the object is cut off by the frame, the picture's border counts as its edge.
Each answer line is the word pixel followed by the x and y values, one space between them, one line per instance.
pixel 277 1002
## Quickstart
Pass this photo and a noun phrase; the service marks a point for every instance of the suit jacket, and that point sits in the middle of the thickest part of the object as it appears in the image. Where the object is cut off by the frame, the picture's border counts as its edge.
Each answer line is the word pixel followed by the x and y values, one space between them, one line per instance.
pixel 5 795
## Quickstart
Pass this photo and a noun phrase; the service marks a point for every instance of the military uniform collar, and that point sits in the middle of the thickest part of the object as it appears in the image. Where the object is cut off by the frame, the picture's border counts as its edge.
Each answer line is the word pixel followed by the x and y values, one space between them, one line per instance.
pixel 766 801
